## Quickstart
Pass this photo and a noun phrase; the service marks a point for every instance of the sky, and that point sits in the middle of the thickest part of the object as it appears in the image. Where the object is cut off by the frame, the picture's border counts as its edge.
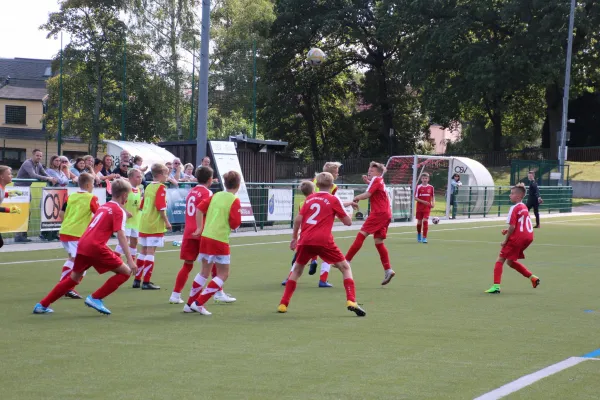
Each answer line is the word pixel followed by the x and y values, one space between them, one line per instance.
pixel 19 29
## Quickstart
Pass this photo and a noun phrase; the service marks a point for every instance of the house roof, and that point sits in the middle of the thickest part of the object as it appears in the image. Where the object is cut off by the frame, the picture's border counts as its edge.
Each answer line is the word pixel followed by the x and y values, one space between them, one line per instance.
pixel 25 72
pixel 22 93
pixel 31 134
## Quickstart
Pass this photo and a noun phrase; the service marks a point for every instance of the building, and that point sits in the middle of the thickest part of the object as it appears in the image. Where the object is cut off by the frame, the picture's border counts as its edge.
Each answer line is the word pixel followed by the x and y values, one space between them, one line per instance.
pixel 23 96
pixel 440 136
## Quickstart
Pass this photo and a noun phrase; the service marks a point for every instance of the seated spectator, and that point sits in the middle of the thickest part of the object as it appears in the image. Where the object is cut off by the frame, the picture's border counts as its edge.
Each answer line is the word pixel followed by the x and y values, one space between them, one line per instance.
pixel 122 169
pixel 78 166
pixel 206 163
pixel 108 165
pixel 65 167
pixel 170 179
pixel 89 168
pixel 54 170
pixel 188 173
pixel 176 170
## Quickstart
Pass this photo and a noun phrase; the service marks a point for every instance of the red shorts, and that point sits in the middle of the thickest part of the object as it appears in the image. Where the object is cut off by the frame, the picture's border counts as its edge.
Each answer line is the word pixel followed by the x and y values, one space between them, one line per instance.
pixel 422 214
pixel 106 260
pixel 190 248
pixel 514 249
pixel 377 225
pixel 330 254
pixel 214 247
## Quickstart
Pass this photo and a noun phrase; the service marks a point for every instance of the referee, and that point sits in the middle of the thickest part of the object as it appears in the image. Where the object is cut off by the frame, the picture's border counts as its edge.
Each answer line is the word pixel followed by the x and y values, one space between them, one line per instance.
pixel 533 199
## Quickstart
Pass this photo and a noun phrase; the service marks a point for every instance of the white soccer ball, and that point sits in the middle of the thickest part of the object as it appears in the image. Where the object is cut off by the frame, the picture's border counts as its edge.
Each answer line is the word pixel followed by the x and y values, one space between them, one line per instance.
pixel 315 56
pixel 435 220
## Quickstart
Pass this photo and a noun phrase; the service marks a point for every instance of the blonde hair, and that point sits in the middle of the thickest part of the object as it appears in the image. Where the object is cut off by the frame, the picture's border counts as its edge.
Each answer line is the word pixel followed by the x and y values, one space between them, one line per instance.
pixel 85 179
pixel 132 172
pixel 331 166
pixel 158 169
pixel 120 187
pixel 307 188
pixel 88 157
pixel 521 188
pixel 425 174
pixel 324 181
pixel 188 165
pixel 4 168
pixel 380 167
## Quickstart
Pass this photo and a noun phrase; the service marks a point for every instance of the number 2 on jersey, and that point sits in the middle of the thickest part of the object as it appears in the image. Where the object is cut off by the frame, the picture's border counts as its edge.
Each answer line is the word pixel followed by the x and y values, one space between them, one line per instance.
pixel 526 222
pixel 311 220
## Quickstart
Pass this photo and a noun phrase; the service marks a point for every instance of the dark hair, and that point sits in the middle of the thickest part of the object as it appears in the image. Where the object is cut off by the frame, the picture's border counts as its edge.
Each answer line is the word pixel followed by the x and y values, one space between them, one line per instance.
pixel 204 174
pixel 97 162
pixel 455 175
pixel 136 159
pixel 35 151
pixel 54 157
pixel 76 162
pixel 104 158
pixel 232 180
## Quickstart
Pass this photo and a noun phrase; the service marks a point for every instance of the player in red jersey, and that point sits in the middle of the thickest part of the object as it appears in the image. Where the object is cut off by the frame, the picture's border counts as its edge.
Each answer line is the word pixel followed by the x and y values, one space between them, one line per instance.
pixel 378 220
pixel 425 202
pixel 93 250
pixel 316 218
pixel 519 236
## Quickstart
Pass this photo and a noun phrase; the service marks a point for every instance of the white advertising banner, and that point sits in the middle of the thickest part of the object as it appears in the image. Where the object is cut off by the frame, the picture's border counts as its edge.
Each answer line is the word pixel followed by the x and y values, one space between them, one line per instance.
pixel 53 199
pixel 280 205
pixel 346 195
pixel 226 160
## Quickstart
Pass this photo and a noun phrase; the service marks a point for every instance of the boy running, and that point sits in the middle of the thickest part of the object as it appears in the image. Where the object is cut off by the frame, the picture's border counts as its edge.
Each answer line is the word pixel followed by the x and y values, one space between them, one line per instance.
pixel 190 246
pixel 425 202
pixel 133 212
pixel 92 250
pixel 76 213
pixel 223 213
pixel 5 179
pixel 519 236
pixel 153 224
pixel 316 218
pixel 378 220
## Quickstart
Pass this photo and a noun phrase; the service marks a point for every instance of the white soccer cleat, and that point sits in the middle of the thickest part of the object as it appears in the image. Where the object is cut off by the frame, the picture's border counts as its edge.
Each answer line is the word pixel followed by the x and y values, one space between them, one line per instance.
pixel 389 274
pixel 176 300
pixel 199 309
pixel 187 309
pixel 222 297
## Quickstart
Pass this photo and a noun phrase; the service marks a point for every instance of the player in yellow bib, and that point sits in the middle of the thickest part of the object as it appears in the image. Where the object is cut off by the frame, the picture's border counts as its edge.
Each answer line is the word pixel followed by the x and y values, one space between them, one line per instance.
pixel 133 212
pixel 76 214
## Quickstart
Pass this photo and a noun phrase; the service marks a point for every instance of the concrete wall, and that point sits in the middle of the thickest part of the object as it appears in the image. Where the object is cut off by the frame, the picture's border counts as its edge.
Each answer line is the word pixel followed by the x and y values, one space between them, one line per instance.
pixel 586 189
pixel 34 116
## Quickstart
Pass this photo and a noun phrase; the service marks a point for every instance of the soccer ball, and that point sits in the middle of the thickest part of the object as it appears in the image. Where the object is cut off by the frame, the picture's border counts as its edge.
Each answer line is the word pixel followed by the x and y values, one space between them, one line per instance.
pixel 435 220
pixel 315 56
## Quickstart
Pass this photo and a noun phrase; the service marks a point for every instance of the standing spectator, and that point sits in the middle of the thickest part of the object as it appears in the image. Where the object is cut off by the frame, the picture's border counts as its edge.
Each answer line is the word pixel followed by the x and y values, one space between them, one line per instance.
pixel 122 169
pixel 78 167
pixel 177 170
pixel 89 168
pixel 206 163
pixel 65 167
pixel 54 170
pixel 108 165
pixel 188 173
pixel 454 184
pixel 170 179
pixel 32 169
pixel 125 157
pixel 533 198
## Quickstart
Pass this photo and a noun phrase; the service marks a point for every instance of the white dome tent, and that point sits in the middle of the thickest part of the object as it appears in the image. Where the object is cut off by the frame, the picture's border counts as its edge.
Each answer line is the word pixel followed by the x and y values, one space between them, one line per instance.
pixel 477 192
pixel 150 153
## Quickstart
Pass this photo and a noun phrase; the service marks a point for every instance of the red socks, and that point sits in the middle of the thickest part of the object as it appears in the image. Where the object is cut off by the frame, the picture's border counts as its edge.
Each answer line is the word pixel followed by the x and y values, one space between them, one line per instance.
pixel 324 276
pixel 384 256
pixel 213 287
pixel 148 268
pixel 110 286
pixel 425 228
pixel 350 290
pixel 358 242
pixel 66 270
pixel 498 272
pixel 520 268
pixel 290 286
pixel 197 286
pixel 183 276
pixel 141 260
pixel 418 228
pixel 59 291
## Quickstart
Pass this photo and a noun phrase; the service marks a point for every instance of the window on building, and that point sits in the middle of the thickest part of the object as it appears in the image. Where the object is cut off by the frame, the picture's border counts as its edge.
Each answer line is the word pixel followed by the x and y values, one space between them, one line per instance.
pixel 16 115
pixel 14 158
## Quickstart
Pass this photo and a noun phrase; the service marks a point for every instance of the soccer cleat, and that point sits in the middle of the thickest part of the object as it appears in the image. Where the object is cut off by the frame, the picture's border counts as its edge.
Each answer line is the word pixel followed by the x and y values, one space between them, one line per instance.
pixel 40 309
pixel 222 297
pixel 389 274
pixel 282 308
pixel 136 284
pixel 494 289
pixel 150 286
pixel 284 282
pixel 72 294
pixel 355 308
pixel 97 305
pixel 313 268
pixel 176 300
pixel 187 309
pixel 199 309
pixel 325 284
pixel 424 240
pixel 535 281
pixel 418 238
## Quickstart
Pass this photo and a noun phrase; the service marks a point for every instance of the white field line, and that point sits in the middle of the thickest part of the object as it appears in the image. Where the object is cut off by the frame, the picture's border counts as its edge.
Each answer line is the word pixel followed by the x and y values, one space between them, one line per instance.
pixel 527 380
pixel 349 237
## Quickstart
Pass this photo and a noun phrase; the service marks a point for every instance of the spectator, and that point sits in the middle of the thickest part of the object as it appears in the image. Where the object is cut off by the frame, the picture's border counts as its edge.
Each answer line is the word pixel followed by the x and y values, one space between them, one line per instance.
pixel 455 183
pixel 54 170
pixel 137 164
pixel 78 167
pixel 108 165
pixel 65 167
pixel 188 173
pixel 170 179
pixel 206 163
pixel 122 169
pixel 176 170
pixel 125 157
pixel 98 166
pixel 89 168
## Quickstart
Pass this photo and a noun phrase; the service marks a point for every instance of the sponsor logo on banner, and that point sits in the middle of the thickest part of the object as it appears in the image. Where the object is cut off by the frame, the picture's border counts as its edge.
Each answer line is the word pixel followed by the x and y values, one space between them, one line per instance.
pixel 226 160
pixel 346 195
pixel 280 205
pixel 16 222
pixel 53 200
pixel 400 201
pixel 176 205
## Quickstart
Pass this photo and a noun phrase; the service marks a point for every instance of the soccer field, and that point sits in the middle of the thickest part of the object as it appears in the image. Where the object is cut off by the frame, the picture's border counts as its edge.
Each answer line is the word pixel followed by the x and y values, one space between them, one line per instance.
pixel 430 334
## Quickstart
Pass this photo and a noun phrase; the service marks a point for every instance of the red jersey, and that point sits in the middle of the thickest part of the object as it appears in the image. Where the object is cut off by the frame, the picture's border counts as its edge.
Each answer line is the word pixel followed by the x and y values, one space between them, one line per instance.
pixel 109 218
pixel 192 203
pixel 380 202
pixel 518 216
pixel 318 213
pixel 424 192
